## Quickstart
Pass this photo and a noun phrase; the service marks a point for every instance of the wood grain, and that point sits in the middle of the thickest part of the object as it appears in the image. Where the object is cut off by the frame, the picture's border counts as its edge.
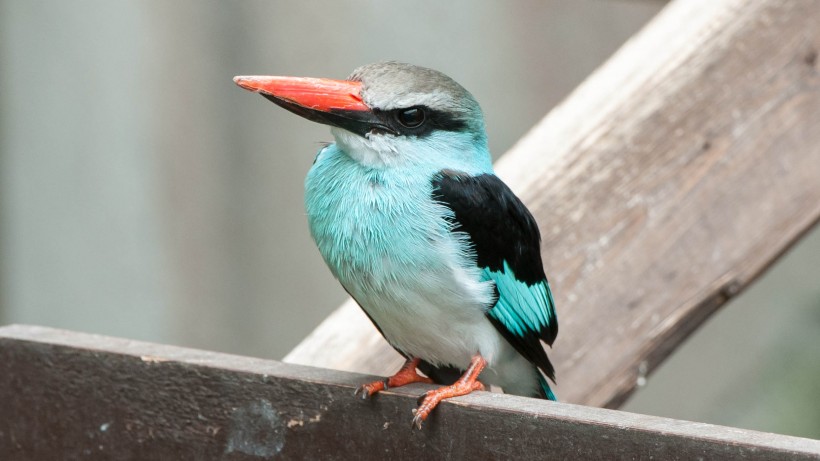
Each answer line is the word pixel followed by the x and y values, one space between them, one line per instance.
pixel 66 395
pixel 664 185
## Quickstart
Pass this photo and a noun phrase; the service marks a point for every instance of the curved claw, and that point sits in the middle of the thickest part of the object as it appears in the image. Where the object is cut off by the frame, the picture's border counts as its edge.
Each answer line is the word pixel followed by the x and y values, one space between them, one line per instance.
pixel 370 389
pixel 417 420
pixel 430 400
pixel 466 384
pixel 406 375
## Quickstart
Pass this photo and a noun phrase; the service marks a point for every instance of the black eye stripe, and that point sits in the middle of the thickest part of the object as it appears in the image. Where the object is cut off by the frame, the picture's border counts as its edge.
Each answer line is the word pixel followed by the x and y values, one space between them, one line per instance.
pixel 434 120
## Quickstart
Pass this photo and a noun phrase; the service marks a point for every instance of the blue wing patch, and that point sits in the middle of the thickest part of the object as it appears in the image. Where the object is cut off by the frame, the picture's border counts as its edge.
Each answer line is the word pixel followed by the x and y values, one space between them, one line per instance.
pixel 525 315
pixel 523 309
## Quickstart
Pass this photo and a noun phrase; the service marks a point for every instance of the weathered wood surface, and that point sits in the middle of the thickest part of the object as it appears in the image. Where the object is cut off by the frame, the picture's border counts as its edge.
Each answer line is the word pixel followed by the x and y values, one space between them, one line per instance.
pixel 66 395
pixel 667 182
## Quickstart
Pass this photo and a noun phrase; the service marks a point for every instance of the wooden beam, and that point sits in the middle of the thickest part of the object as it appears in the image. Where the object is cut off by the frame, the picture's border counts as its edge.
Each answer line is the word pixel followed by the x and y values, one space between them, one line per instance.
pixel 664 185
pixel 66 395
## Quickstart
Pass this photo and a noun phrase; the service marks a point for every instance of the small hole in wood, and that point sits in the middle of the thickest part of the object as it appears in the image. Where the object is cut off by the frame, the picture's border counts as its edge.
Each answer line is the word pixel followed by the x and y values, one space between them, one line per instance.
pixel 706 145
pixel 811 58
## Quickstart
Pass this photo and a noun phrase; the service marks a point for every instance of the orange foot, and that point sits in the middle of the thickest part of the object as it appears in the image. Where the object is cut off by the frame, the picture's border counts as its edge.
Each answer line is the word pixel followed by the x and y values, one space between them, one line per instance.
pixel 405 376
pixel 466 384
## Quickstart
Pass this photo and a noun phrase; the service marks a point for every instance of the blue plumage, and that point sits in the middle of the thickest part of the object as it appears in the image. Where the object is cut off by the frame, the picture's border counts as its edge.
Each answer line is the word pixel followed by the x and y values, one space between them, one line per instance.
pixel 523 309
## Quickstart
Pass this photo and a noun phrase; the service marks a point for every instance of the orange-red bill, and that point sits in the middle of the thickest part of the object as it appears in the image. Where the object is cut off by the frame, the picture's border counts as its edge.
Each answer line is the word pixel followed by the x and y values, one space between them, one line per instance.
pixel 322 94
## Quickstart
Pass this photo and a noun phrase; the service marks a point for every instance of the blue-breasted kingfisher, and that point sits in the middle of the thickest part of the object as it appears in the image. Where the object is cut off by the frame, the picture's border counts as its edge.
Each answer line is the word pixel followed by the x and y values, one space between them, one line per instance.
pixel 409 216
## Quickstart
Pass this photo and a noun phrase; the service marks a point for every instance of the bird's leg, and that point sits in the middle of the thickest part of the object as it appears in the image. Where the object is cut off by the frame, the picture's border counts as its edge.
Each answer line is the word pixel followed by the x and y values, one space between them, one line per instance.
pixel 466 384
pixel 406 375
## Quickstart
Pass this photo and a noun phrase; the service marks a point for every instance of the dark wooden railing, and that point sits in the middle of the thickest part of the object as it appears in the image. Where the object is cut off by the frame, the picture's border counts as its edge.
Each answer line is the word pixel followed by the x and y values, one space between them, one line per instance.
pixel 66 395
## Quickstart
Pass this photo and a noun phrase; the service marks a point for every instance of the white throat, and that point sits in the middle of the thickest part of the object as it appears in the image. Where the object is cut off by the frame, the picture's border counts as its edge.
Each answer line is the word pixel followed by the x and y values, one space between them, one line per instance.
pixel 373 151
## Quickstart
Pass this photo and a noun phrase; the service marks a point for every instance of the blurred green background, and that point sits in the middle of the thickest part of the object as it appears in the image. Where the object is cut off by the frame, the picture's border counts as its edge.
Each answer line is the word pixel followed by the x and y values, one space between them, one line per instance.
pixel 143 195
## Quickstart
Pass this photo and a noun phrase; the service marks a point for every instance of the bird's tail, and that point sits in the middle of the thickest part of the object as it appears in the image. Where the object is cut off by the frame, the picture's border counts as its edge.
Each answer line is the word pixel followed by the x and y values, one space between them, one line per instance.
pixel 546 391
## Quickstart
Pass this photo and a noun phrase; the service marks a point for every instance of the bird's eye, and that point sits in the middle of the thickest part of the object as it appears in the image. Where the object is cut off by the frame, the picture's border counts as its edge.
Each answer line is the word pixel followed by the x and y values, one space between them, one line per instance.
pixel 411 118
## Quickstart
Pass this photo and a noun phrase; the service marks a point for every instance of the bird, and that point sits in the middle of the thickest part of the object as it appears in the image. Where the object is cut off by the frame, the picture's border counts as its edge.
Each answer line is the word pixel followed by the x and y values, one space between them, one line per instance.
pixel 408 214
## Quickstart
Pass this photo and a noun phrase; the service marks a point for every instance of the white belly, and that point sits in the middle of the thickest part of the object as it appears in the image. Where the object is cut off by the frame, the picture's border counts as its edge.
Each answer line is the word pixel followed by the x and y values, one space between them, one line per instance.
pixel 446 332
pixel 438 317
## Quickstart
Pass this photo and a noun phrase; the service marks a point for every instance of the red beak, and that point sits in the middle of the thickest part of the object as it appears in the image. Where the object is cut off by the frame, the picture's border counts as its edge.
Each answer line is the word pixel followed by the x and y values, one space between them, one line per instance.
pixel 331 102
pixel 322 94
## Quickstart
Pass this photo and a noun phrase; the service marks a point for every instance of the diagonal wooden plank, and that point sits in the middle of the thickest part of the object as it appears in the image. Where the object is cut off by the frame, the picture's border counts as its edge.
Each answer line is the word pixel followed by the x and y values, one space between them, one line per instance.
pixel 66 395
pixel 665 184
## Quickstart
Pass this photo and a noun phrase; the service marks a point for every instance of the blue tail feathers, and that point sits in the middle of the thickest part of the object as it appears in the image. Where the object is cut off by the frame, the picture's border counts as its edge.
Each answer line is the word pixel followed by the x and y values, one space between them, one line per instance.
pixel 546 391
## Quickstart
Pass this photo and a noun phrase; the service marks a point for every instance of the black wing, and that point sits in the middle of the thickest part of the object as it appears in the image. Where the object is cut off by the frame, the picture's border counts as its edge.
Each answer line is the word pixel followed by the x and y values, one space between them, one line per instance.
pixel 507 245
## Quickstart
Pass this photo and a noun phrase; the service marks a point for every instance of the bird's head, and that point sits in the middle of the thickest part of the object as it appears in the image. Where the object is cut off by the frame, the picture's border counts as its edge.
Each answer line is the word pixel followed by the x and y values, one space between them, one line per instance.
pixel 389 115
